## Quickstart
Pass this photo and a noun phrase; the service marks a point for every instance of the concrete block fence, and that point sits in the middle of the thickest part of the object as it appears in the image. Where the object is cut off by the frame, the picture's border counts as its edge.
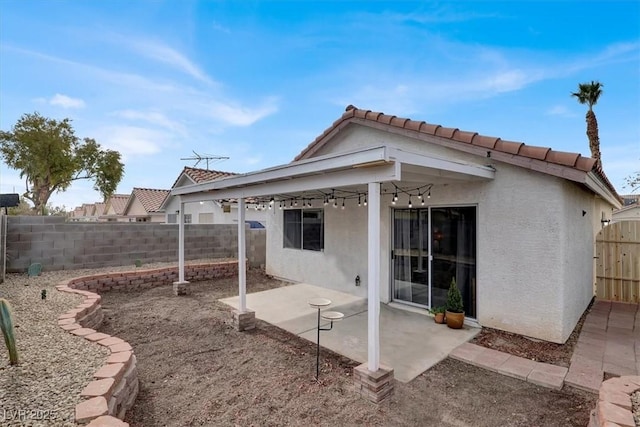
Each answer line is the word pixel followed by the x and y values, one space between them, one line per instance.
pixel 115 385
pixel 60 245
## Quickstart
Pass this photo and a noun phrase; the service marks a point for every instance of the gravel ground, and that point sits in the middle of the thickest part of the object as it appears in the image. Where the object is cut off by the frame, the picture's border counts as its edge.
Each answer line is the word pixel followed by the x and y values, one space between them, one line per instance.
pixel 54 366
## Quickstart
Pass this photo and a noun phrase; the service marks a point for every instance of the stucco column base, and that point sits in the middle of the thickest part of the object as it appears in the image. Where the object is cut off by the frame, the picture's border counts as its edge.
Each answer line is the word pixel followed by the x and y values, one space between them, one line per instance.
pixel 180 288
pixel 243 320
pixel 375 386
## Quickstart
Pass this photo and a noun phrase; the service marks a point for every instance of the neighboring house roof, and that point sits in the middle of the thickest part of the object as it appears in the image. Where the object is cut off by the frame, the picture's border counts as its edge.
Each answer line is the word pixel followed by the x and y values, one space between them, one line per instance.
pixel 204 175
pixel 626 208
pixel 88 208
pixel 118 202
pixel 99 208
pixel 150 198
pixel 197 176
pixel 514 152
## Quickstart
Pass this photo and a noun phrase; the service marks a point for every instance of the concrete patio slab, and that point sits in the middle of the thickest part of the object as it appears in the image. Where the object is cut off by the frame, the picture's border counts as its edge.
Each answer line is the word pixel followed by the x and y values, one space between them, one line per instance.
pixel 410 342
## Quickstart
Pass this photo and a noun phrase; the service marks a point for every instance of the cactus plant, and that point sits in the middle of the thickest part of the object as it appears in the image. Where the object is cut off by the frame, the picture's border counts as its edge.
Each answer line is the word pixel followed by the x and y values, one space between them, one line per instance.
pixel 6 324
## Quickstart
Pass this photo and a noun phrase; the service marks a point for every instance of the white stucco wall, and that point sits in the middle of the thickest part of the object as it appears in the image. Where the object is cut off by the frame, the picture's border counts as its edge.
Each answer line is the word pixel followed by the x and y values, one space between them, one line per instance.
pixel 215 211
pixel 535 249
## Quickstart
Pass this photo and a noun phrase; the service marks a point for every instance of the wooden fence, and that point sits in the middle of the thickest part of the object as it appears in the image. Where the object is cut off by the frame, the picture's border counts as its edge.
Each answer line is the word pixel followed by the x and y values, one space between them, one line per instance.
pixel 618 262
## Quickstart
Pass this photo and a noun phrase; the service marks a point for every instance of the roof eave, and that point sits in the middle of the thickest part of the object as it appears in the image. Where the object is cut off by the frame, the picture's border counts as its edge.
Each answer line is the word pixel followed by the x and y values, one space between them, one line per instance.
pixel 595 184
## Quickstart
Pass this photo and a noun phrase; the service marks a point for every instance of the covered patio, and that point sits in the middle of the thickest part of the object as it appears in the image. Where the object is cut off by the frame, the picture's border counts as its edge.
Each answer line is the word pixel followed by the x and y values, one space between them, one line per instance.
pixel 410 341
pixel 366 175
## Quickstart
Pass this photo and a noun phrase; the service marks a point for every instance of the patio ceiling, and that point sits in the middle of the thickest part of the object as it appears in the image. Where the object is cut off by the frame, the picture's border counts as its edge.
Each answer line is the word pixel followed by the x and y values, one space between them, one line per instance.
pixel 349 172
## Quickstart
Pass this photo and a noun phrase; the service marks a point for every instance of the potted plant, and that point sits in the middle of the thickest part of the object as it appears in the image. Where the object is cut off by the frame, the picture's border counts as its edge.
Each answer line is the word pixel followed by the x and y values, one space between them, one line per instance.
pixel 438 314
pixel 455 307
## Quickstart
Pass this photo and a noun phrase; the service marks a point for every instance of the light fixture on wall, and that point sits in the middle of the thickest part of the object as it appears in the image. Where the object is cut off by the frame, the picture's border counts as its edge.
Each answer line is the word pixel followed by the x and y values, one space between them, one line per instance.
pixel 604 221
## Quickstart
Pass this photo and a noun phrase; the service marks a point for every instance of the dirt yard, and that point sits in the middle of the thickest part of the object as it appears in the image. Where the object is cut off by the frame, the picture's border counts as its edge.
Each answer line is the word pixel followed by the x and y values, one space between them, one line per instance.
pixel 195 370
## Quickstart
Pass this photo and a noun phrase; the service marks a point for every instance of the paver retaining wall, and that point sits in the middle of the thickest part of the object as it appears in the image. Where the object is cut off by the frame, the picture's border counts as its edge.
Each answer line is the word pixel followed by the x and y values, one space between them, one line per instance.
pixel 60 245
pixel 115 386
pixel 614 406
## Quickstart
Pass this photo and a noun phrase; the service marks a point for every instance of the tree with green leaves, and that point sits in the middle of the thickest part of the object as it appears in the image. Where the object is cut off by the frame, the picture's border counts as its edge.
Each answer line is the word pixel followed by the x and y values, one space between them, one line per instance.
pixel 588 94
pixel 51 157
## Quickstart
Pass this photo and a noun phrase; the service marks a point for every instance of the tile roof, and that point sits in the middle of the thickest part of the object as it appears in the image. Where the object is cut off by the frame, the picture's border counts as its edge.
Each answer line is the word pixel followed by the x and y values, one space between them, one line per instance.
pixel 150 198
pixel 461 138
pixel 99 208
pixel 202 175
pixel 118 202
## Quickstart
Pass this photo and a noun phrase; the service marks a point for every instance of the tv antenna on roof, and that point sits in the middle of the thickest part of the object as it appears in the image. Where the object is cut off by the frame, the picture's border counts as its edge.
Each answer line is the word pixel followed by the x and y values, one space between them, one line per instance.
pixel 206 157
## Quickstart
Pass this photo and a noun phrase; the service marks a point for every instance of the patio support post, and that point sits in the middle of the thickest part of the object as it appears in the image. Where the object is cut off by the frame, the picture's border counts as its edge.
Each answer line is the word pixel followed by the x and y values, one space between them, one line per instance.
pixel 242 318
pixel 180 287
pixel 242 256
pixel 373 380
pixel 373 354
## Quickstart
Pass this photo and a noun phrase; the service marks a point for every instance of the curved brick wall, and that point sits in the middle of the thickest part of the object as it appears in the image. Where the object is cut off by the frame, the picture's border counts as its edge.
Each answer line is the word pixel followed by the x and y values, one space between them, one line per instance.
pixel 115 385
pixel 614 403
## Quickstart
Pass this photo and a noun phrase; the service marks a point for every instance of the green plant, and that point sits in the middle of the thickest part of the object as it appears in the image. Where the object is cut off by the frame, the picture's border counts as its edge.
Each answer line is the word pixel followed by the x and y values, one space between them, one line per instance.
pixel 437 310
pixel 6 324
pixel 454 298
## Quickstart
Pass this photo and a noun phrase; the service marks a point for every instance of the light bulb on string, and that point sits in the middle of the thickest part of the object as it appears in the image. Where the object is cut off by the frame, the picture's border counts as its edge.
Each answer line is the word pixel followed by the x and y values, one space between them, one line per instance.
pixel 365 200
pixel 343 204
pixel 410 205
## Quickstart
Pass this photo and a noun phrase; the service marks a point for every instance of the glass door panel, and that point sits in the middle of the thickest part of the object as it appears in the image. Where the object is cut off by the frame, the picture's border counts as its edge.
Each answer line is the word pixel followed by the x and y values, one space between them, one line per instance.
pixel 411 256
pixel 453 246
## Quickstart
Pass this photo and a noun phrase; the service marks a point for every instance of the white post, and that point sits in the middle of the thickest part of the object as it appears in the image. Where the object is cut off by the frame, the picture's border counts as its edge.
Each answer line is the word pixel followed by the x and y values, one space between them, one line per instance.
pixel 373 271
pixel 242 257
pixel 181 243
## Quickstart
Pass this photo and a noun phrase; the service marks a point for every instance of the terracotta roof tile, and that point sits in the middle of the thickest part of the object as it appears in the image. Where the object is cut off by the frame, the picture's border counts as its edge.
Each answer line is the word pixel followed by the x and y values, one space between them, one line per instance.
pixel 485 141
pixel 585 164
pixel 150 198
pixel 118 202
pixel 414 125
pixel 445 132
pixel 463 136
pixel 562 158
pixel 557 158
pixel 508 146
pixel 430 129
pixel 534 152
pixel 100 209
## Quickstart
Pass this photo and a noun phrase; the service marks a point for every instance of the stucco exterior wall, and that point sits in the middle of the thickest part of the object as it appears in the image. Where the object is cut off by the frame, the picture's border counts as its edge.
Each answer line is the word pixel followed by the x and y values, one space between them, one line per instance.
pixel 577 235
pixel 534 248
pixel 135 208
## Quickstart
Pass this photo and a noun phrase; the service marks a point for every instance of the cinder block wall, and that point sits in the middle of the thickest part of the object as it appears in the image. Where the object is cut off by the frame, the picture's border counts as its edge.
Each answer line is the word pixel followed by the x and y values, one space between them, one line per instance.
pixel 60 245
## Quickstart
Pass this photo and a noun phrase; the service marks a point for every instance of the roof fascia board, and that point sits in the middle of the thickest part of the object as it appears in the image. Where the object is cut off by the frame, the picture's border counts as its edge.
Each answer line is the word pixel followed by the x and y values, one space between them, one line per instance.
pixel 336 179
pixel 594 184
pixel 316 165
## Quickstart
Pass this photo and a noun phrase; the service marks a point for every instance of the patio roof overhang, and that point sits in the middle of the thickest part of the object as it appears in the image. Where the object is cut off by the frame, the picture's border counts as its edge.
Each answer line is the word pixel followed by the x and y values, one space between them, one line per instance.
pixel 379 164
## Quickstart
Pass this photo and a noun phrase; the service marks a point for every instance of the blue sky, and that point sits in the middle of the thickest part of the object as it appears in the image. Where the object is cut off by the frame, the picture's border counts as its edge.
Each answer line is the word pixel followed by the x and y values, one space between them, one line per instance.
pixel 258 81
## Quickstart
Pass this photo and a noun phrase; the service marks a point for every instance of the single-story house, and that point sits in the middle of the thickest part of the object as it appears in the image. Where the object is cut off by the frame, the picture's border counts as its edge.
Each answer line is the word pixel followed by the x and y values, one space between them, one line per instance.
pixel 393 209
pixel 627 213
pixel 208 212
pixel 144 205
pixel 114 208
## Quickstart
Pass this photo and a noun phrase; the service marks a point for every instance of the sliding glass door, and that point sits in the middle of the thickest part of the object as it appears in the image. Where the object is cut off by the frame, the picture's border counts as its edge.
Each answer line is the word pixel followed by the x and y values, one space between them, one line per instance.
pixel 432 246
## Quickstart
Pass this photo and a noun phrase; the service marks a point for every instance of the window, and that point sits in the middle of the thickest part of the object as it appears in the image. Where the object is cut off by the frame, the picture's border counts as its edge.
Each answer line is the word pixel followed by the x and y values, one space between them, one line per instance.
pixel 172 218
pixel 187 218
pixel 304 229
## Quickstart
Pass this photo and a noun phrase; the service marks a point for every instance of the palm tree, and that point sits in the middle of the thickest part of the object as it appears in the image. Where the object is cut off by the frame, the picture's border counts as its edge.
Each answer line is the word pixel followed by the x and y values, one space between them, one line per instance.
pixel 589 93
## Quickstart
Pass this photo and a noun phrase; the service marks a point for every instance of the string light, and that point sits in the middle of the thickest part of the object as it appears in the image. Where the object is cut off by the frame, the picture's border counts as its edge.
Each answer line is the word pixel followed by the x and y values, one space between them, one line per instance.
pixel 359 201
pixel 365 200
pixel 343 203
pixel 335 204
pixel 429 194
pixel 410 205
pixel 326 201
pixel 272 201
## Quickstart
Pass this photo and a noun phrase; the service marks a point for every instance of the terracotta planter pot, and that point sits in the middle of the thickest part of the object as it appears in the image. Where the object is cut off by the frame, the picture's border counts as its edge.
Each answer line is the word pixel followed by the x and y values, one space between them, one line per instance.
pixel 455 320
pixel 438 317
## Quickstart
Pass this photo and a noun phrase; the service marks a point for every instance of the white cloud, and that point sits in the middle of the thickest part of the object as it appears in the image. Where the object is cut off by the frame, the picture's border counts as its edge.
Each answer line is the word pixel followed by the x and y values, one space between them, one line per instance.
pixel 65 101
pixel 163 53
pixel 242 116
pixel 132 141
pixel 154 117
